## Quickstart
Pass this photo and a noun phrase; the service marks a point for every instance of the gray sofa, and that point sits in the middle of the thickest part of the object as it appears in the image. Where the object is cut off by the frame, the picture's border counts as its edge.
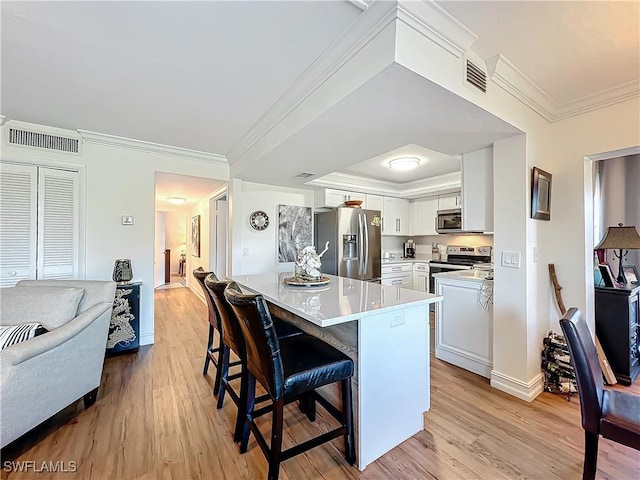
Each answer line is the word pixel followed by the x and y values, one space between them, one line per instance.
pixel 43 375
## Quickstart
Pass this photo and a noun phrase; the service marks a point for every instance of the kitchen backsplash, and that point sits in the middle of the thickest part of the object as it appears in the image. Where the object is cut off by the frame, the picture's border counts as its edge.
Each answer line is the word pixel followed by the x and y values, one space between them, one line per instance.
pixel 393 244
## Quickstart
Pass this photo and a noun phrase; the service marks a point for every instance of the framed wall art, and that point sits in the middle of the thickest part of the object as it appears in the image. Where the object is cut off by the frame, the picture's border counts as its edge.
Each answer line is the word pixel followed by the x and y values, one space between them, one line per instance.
pixel 294 231
pixel 195 236
pixel 540 194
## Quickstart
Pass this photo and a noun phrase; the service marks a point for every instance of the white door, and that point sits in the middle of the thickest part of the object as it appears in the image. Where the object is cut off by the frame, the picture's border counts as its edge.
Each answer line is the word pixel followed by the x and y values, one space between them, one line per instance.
pixel 39 223
pixel 18 210
pixel 158 264
pixel 222 215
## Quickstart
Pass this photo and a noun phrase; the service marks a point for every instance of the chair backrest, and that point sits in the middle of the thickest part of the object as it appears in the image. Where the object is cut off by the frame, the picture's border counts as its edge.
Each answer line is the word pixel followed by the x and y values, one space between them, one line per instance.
pixel 214 319
pixel 231 331
pixel 584 358
pixel 260 338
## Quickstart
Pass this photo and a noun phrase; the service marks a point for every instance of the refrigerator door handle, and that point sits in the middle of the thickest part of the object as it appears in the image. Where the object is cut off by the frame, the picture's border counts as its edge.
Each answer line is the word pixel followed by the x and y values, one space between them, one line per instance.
pixel 366 243
pixel 361 240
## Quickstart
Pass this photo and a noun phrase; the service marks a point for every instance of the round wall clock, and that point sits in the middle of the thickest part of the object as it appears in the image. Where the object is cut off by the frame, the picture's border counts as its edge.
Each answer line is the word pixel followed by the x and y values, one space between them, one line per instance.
pixel 259 220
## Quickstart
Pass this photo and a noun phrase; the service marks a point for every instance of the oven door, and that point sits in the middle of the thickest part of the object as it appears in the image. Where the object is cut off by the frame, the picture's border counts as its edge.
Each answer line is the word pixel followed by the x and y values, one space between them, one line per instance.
pixel 441 268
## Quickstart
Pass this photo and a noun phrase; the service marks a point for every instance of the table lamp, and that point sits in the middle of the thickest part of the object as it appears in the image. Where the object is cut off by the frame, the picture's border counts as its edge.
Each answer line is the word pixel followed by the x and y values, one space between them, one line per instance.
pixel 620 238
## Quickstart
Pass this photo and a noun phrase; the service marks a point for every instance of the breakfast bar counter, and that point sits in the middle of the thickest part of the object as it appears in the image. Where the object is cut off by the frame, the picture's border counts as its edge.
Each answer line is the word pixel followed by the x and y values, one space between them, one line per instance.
pixel 384 329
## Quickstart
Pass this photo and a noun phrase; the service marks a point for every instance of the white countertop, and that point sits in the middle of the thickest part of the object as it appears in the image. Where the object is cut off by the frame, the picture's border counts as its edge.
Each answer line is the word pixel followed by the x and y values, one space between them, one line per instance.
pixel 471 275
pixel 342 300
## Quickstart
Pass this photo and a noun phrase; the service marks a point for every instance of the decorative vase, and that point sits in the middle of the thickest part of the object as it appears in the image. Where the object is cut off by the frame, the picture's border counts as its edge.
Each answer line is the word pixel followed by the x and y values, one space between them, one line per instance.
pixel 122 272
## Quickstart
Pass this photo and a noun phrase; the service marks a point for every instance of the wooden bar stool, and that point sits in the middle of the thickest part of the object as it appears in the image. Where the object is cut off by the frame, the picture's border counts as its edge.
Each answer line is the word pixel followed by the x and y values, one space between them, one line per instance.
pixel 214 353
pixel 289 369
pixel 233 341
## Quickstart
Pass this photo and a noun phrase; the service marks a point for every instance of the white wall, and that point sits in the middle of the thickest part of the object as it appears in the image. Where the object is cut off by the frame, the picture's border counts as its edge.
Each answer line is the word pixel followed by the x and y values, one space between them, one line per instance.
pixel 176 237
pixel 260 247
pixel 193 262
pixel 523 299
pixel 121 181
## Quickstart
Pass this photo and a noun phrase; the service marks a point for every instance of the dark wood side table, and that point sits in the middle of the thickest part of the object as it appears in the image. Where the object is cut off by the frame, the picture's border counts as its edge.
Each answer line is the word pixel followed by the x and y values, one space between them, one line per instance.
pixel 124 329
pixel 618 329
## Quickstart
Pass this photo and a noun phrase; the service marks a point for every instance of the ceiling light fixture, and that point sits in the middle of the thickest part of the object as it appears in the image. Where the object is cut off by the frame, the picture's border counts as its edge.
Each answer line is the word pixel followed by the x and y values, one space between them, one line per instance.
pixel 176 200
pixel 404 164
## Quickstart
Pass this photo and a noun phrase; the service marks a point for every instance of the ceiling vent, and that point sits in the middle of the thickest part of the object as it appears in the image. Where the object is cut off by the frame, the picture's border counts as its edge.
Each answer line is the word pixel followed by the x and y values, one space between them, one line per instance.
pixel 476 76
pixel 58 143
pixel 305 175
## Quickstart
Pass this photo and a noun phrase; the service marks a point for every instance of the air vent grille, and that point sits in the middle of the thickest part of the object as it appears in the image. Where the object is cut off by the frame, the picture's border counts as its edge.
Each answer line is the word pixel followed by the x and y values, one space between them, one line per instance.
pixel 476 77
pixel 43 140
pixel 305 175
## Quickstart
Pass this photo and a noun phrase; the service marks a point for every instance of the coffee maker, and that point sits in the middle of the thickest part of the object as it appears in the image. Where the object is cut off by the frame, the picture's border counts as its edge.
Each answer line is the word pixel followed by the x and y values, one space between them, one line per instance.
pixel 409 249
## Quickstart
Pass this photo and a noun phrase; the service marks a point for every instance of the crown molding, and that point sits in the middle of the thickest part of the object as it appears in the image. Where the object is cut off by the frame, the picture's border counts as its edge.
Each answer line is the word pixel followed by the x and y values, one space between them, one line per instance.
pixel 366 28
pixel 428 186
pixel 150 147
pixel 504 74
pixel 602 99
pixel 433 22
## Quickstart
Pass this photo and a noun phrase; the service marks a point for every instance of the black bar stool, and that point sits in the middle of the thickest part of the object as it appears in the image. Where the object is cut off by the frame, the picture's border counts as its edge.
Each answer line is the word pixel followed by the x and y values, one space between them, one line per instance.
pixel 289 369
pixel 233 341
pixel 214 353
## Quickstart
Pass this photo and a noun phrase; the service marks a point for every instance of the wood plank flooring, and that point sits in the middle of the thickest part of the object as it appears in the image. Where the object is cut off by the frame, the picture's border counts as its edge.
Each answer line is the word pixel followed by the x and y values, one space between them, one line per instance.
pixel 155 418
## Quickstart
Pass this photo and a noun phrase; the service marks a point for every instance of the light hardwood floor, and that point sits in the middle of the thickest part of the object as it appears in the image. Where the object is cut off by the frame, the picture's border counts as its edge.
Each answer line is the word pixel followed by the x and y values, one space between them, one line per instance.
pixel 155 418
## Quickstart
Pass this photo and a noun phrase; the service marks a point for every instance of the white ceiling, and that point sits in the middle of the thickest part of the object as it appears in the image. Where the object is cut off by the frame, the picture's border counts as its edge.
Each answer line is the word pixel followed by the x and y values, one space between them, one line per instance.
pixel 199 75
pixel 570 49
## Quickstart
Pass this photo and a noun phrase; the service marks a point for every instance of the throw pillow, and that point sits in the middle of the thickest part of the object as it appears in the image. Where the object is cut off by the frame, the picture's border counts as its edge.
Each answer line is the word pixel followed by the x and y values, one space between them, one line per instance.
pixel 51 307
pixel 19 333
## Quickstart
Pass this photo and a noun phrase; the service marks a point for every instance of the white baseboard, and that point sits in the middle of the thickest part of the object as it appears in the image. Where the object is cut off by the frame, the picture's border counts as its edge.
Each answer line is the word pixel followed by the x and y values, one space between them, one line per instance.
pixel 146 339
pixel 525 391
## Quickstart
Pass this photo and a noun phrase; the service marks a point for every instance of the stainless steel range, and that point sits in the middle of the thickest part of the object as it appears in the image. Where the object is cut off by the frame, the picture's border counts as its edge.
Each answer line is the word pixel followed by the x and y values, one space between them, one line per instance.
pixel 459 258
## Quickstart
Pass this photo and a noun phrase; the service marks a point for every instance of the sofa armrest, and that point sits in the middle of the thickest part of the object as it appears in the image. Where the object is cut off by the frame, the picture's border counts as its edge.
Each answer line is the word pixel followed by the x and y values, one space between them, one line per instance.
pixel 23 351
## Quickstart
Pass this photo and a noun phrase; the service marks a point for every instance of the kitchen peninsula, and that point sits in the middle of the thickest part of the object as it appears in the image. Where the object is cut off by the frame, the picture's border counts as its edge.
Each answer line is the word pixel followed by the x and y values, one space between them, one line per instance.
pixel 385 330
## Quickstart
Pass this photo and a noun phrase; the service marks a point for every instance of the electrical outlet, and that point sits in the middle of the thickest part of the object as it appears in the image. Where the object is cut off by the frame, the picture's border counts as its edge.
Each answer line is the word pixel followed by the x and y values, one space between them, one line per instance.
pixel 245 251
pixel 397 321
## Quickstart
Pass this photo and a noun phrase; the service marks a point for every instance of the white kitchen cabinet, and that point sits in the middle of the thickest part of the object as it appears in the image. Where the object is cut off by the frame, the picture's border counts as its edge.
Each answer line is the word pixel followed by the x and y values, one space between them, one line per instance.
pixel 449 200
pixel 330 198
pixel 464 329
pixel 423 213
pixel 374 202
pixel 398 275
pixel 421 277
pixel 477 190
pixel 395 216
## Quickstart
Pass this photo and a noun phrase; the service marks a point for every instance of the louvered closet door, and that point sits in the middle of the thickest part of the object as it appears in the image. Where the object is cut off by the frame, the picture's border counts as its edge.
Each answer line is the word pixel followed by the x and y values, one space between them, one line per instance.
pixel 57 254
pixel 18 206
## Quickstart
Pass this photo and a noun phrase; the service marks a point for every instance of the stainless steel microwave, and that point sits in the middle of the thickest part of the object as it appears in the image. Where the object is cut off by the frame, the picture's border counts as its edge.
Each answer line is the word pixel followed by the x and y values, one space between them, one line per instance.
pixel 449 221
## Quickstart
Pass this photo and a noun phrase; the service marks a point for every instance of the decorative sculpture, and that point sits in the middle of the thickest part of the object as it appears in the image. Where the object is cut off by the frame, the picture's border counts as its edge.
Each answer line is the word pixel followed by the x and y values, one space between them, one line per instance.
pixel 308 263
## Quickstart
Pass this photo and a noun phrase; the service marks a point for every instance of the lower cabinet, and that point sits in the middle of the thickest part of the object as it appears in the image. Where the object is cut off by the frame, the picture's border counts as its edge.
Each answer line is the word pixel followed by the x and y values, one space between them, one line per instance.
pixel 421 277
pixel 464 329
pixel 398 275
pixel 124 329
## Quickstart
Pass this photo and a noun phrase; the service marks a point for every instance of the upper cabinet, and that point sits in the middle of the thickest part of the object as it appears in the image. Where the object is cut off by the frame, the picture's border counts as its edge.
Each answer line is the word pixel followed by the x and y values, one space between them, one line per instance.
pixel 449 200
pixel 330 198
pixel 423 216
pixel 395 216
pixel 375 202
pixel 477 190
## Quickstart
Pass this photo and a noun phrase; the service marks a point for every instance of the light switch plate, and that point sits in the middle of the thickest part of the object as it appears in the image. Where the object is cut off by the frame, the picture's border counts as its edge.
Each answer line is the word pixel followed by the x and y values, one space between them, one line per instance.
pixel 510 259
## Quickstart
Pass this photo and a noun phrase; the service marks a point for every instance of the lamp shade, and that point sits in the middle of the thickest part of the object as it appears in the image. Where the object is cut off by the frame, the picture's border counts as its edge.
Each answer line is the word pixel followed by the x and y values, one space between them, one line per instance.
pixel 620 237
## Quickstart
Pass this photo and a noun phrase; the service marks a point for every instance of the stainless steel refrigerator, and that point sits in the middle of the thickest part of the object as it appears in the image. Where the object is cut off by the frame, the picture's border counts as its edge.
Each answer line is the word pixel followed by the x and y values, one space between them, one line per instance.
pixel 354 242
